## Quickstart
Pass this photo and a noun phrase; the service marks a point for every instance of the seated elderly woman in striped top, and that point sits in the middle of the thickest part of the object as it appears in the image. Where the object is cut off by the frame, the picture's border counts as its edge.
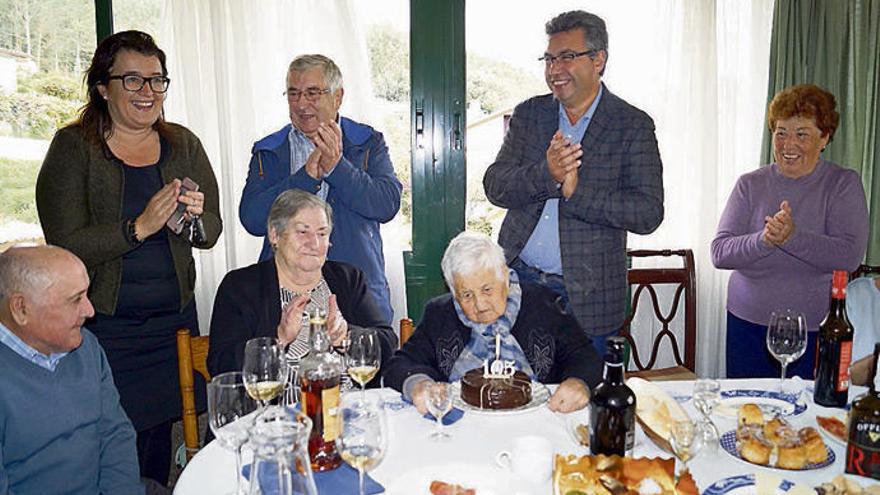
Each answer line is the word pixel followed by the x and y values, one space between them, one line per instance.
pixel 272 298
pixel 489 308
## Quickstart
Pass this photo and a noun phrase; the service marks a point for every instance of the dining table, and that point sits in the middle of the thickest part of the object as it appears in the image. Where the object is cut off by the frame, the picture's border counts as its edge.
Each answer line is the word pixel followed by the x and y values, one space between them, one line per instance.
pixel 470 456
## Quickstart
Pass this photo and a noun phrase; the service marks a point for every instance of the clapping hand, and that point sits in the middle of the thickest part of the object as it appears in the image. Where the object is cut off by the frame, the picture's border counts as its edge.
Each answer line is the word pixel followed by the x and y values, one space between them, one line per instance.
pixel 337 327
pixel 563 158
pixel 158 210
pixel 328 140
pixel 291 323
pixel 779 228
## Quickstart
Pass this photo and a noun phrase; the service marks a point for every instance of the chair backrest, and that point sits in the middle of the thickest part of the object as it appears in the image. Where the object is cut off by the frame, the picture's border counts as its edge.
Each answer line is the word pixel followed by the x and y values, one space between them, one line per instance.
pixel 406 330
pixel 684 281
pixel 865 270
pixel 192 355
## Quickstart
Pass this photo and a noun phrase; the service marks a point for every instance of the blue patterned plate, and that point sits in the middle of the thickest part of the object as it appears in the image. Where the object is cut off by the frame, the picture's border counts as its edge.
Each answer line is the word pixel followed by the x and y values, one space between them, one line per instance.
pixel 772 403
pixel 741 485
pixel 728 443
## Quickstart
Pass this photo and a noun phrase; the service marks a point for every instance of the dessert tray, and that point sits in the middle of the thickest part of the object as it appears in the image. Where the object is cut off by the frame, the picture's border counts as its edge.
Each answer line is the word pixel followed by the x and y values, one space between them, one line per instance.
pixel 728 443
pixel 540 395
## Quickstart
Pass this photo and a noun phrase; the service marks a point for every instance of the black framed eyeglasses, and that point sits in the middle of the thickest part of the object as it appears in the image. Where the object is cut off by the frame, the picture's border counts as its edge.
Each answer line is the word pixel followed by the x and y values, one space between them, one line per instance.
pixel 565 57
pixel 131 82
pixel 311 94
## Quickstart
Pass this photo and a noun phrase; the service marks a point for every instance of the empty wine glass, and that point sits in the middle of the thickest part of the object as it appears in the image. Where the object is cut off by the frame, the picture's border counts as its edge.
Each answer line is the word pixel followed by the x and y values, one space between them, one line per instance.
pixel 264 368
pixel 786 337
pixel 363 435
pixel 364 356
pixel 707 395
pixel 229 404
pixel 684 442
pixel 439 403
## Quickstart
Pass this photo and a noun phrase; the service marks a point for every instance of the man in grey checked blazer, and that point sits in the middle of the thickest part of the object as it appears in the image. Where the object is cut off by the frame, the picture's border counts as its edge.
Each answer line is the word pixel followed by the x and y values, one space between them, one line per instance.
pixel 577 170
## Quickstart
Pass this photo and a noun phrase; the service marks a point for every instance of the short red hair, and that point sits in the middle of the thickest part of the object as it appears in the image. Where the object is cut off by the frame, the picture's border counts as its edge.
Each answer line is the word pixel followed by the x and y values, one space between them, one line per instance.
pixel 808 101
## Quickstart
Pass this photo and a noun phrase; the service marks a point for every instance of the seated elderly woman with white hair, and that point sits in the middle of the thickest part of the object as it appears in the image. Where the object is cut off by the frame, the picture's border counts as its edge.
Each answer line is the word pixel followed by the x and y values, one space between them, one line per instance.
pixel 457 331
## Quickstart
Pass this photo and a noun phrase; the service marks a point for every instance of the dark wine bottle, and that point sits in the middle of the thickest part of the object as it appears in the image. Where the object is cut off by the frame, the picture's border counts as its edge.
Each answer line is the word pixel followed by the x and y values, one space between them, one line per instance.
pixel 613 406
pixel 863 447
pixel 834 348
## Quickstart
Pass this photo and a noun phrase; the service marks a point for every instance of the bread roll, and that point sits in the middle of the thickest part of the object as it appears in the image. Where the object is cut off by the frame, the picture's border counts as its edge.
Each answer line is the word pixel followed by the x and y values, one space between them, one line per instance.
pixel 750 414
pixel 791 455
pixel 813 444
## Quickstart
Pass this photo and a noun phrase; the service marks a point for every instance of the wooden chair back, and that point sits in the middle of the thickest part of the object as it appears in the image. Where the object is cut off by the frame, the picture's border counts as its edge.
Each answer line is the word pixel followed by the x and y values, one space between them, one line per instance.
pixel 865 271
pixel 192 355
pixel 684 281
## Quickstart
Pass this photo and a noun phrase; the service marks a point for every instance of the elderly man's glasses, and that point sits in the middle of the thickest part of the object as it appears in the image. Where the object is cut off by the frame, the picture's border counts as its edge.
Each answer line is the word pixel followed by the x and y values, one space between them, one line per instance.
pixel 311 94
pixel 131 82
pixel 565 57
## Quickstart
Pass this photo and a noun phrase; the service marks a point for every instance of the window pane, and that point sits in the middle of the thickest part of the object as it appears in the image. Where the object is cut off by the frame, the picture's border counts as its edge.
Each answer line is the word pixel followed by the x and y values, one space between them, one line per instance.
pixel 142 15
pixel 44 49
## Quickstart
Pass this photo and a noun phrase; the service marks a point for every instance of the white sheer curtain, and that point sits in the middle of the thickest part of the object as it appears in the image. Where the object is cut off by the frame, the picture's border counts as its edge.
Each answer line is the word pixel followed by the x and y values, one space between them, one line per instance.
pixel 228 61
pixel 699 68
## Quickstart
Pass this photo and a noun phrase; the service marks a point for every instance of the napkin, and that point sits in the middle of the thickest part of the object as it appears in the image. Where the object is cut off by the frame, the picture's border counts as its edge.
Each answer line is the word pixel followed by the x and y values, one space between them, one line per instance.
pixel 340 481
pixel 452 416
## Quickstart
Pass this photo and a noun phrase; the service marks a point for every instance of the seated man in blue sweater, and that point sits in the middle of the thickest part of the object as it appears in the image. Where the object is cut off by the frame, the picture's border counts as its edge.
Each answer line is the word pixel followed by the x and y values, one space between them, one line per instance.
pixel 62 429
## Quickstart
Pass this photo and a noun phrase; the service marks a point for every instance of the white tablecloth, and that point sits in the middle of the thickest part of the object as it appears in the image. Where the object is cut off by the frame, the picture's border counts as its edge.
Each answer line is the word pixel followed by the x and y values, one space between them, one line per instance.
pixel 414 459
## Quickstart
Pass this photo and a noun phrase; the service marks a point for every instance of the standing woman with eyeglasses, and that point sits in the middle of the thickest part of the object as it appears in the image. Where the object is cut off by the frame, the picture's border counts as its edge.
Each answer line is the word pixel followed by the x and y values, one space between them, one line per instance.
pixel 108 185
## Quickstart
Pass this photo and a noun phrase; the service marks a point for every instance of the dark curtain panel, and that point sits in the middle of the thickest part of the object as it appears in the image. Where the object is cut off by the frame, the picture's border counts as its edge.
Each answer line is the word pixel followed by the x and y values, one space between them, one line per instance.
pixel 836 44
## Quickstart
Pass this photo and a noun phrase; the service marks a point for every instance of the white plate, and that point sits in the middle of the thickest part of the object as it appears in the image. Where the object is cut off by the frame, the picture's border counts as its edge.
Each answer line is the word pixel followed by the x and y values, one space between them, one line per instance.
pixel 540 395
pixel 772 403
pixel 486 480
pixel 741 485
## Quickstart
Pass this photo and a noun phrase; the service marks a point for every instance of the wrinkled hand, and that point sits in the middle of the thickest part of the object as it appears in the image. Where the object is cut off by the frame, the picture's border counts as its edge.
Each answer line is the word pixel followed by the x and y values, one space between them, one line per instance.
pixel 312 165
pixel 291 323
pixel 421 395
pixel 158 210
pixel 337 327
pixel 328 140
pixel 563 157
pixel 195 203
pixel 571 395
pixel 779 228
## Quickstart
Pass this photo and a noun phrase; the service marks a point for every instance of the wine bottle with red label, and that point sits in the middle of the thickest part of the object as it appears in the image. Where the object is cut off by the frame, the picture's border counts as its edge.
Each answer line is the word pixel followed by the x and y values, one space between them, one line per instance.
pixel 863 447
pixel 834 348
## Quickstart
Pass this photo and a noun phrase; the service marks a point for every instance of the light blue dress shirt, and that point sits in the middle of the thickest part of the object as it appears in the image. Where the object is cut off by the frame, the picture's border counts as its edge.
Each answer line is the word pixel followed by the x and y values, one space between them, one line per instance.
pixel 542 249
pixel 300 149
pixel 12 341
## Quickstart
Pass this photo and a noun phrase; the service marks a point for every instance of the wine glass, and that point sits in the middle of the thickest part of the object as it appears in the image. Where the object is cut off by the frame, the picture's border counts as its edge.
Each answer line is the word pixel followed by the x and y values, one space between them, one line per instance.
pixel 264 369
pixel 684 441
pixel 229 404
pixel 364 355
pixel 439 403
pixel 786 337
pixel 363 435
pixel 707 395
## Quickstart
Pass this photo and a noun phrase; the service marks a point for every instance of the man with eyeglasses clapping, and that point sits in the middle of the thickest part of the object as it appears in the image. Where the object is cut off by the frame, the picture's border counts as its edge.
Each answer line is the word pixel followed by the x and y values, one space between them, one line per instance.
pixel 344 162
pixel 579 168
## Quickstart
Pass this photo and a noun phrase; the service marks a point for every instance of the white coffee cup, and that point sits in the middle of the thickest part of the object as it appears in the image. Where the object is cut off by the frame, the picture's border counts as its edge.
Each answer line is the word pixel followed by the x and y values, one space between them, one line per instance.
pixel 530 458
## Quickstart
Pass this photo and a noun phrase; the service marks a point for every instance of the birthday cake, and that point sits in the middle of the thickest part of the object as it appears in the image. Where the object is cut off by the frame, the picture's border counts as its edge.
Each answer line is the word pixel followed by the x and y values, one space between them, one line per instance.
pixel 488 392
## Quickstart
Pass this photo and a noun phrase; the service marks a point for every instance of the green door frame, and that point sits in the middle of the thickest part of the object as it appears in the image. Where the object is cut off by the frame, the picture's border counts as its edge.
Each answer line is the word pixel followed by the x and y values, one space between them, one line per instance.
pixel 103 18
pixel 437 78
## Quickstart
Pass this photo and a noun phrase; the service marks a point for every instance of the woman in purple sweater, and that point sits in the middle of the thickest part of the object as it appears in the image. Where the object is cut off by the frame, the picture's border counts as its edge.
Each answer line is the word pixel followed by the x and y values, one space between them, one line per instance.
pixel 785 228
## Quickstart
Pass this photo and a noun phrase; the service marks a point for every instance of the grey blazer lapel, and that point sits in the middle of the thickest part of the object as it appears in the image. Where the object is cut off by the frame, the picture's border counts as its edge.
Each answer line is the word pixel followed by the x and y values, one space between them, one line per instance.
pixel 599 123
pixel 548 121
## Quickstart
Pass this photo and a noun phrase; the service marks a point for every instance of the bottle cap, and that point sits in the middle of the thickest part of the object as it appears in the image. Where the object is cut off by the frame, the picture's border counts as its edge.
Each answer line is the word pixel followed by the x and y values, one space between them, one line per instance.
pixel 615 348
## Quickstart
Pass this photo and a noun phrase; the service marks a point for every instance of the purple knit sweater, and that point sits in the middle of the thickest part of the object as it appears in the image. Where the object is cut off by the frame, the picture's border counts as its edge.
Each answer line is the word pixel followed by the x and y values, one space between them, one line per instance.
pixel 831 233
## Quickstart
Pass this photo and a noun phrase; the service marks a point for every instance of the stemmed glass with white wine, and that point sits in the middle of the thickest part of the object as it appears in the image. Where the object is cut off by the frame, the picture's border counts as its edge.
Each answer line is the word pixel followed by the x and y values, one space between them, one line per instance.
pixel 684 442
pixel 363 356
pixel 439 403
pixel 229 407
pixel 786 337
pixel 363 435
pixel 264 369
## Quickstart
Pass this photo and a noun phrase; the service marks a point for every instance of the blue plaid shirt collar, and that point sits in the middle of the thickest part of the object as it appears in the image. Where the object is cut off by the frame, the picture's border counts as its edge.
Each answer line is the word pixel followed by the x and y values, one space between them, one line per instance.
pixel 12 341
